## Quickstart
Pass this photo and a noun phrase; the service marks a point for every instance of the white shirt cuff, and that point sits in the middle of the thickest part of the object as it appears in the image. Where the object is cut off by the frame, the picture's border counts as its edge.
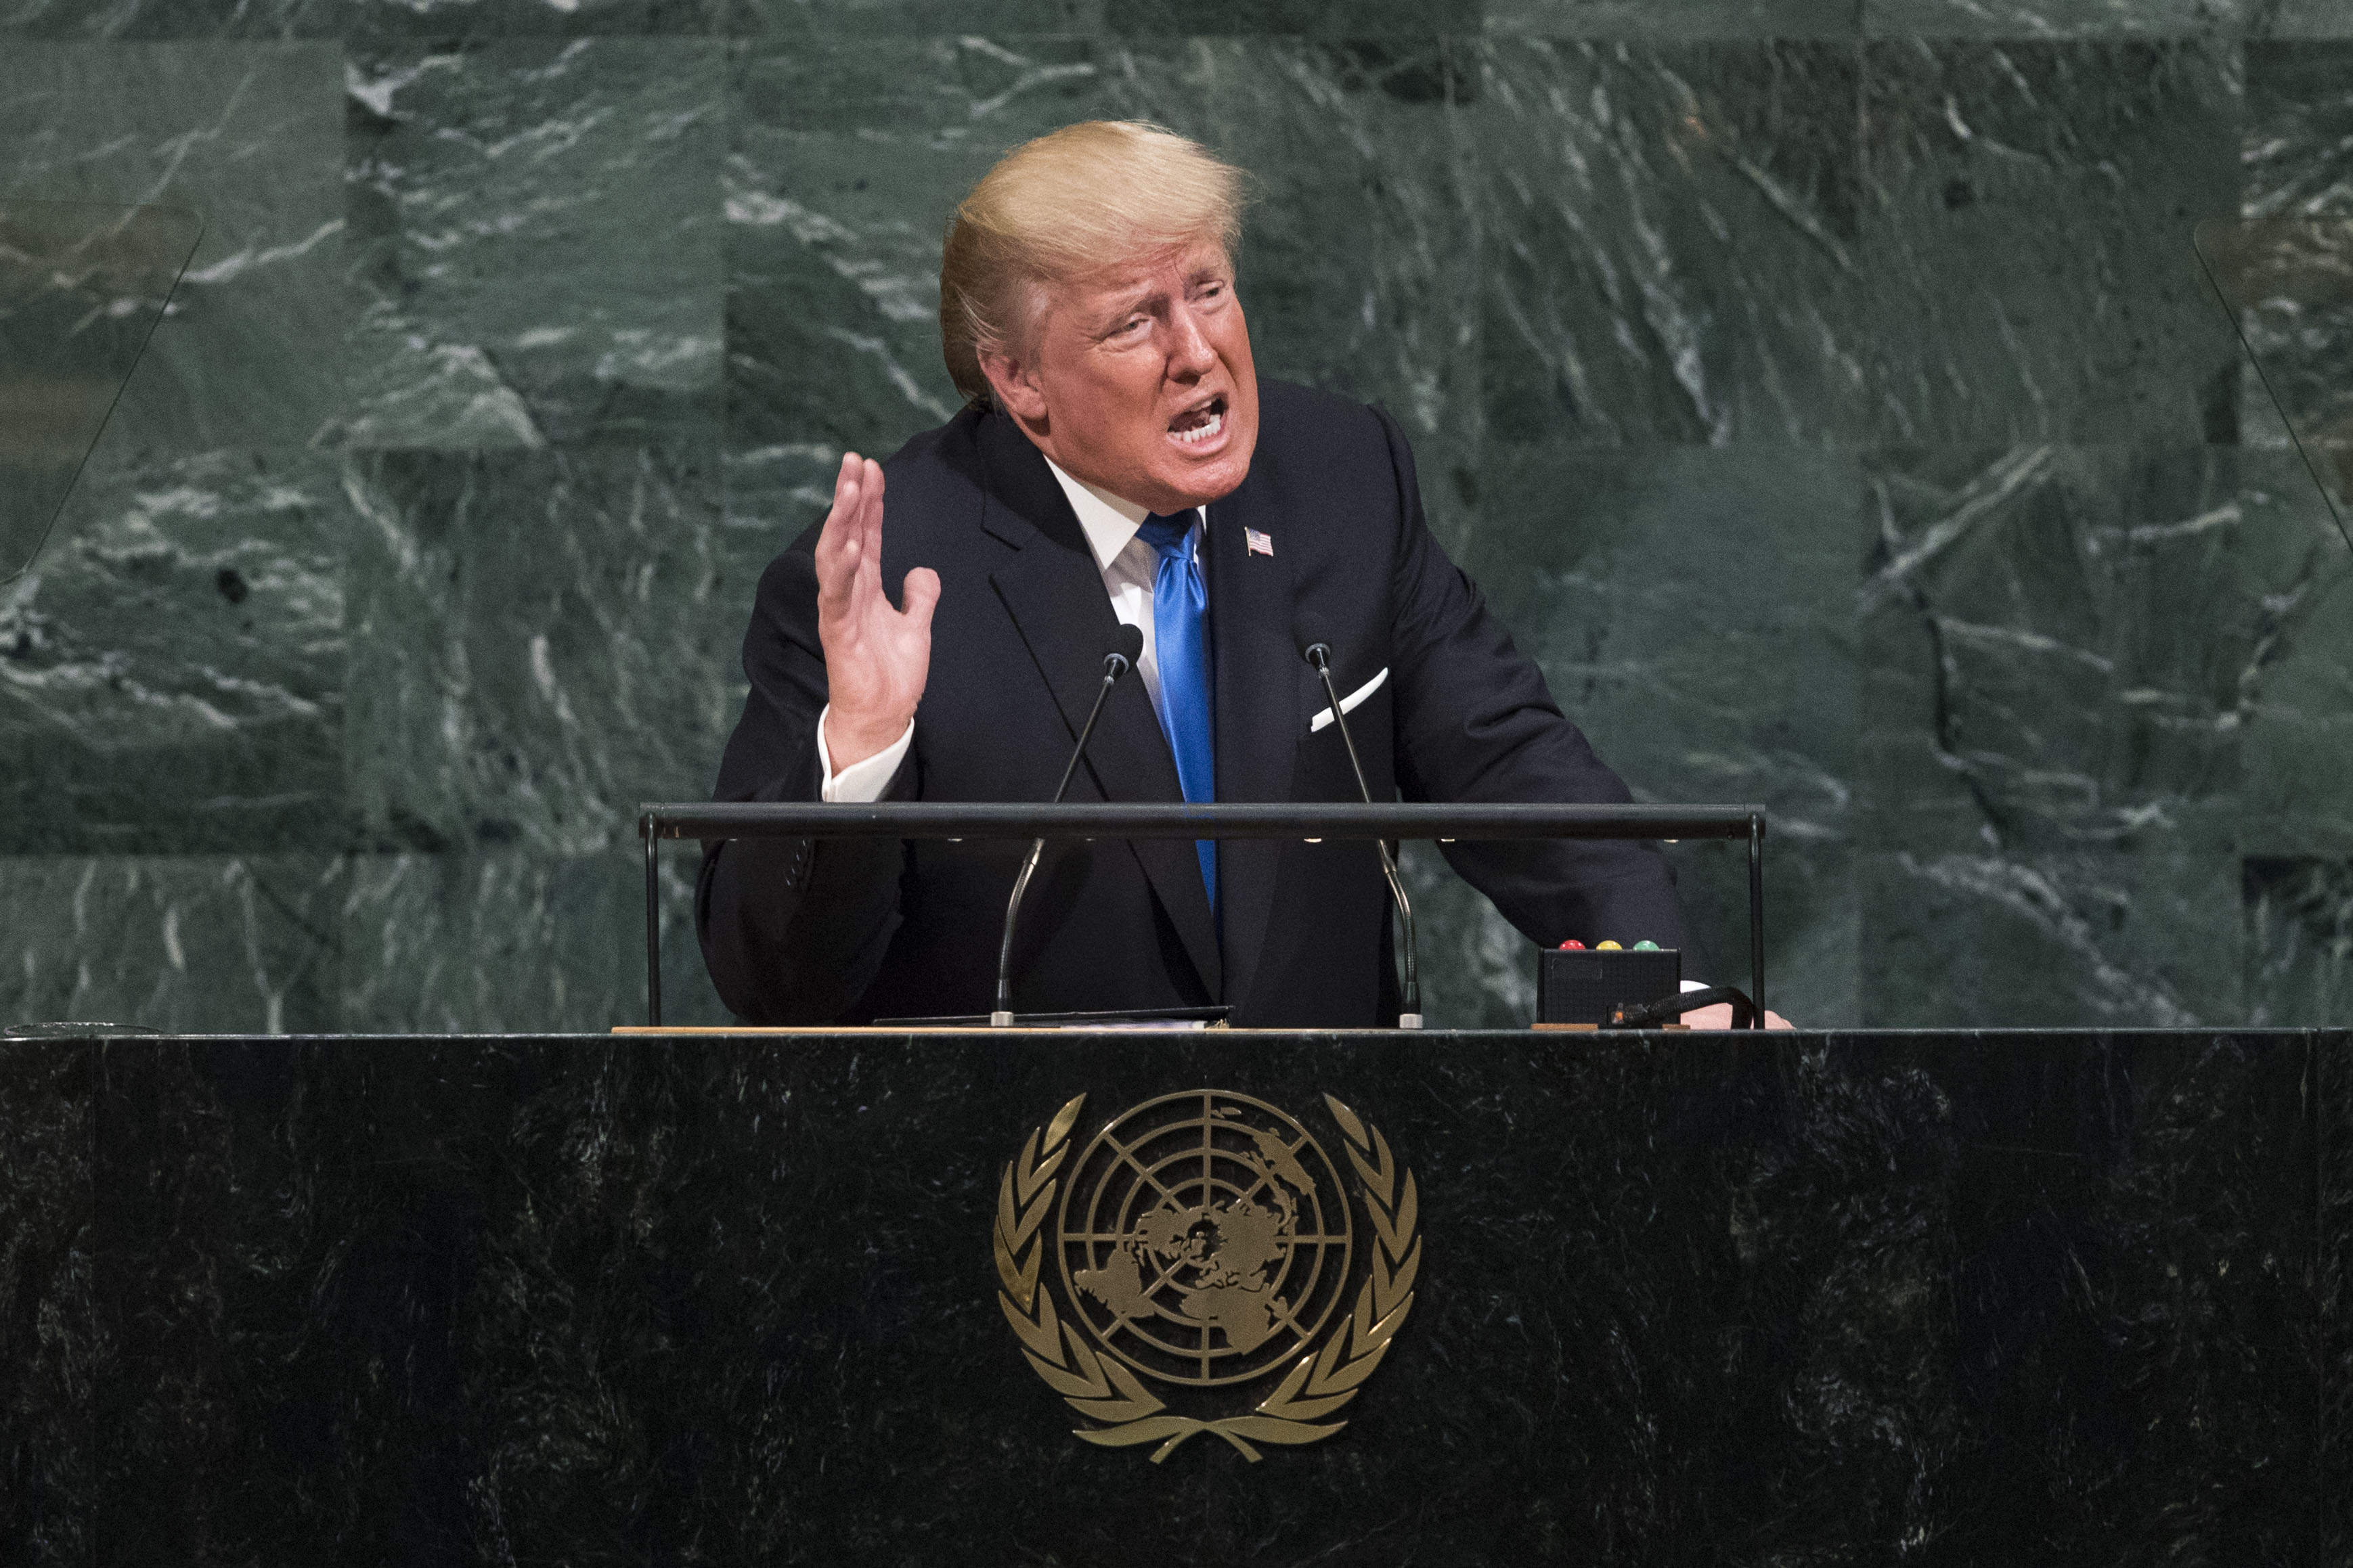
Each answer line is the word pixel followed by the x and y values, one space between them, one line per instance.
pixel 861 782
pixel 1688 984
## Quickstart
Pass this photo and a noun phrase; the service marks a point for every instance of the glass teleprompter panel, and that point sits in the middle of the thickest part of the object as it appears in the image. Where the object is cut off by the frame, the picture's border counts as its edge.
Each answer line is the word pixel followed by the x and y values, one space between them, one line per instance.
pixel 2287 284
pixel 82 286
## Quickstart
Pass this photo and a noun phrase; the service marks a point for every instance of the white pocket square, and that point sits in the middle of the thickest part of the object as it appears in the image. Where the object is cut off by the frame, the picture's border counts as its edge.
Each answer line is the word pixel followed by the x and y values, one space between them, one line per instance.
pixel 1351 702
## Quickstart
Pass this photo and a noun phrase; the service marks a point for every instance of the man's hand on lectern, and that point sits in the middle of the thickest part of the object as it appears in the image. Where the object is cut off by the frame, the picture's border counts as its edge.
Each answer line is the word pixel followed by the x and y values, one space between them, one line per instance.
pixel 876 657
pixel 1720 1017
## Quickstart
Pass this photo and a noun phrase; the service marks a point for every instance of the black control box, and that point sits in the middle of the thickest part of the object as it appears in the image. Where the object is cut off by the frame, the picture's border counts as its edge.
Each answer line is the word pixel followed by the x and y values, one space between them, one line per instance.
pixel 1577 987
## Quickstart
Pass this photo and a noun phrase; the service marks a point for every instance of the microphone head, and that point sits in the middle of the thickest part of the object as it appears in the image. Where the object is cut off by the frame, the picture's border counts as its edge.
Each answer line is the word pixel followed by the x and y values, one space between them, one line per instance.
pixel 1312 645
pixel 1128 648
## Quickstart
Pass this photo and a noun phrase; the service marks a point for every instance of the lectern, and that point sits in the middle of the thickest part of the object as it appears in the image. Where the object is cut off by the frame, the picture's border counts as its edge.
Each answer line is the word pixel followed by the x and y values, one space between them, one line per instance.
pixel 874 1298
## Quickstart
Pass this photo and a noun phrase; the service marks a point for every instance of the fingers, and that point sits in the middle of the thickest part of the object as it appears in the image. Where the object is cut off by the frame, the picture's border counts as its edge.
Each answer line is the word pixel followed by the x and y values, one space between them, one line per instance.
pixel 838 544
pixel 869 534
pixel 849 497
pixel 849 546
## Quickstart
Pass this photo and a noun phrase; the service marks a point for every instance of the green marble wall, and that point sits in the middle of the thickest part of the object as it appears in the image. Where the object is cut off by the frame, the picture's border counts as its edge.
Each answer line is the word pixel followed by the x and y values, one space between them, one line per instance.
pixel 1824 388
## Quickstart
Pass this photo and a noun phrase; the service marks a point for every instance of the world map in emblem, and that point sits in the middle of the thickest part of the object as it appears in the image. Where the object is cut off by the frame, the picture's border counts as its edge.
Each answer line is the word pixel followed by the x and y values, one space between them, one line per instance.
pixel 1204 1238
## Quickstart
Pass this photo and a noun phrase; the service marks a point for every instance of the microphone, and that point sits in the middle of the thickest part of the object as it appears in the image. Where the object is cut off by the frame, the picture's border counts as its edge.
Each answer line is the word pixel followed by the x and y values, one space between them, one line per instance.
pixel 1116 663
pixel 1319 654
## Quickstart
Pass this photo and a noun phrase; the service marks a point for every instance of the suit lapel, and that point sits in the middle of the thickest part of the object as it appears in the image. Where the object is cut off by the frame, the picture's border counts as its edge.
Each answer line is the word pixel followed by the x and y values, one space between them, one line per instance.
pixel 1258 716
pixel 1054 593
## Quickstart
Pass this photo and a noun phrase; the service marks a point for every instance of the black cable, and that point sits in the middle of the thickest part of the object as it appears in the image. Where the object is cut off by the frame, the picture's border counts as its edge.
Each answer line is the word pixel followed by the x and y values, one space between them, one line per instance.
pixel 1642 1014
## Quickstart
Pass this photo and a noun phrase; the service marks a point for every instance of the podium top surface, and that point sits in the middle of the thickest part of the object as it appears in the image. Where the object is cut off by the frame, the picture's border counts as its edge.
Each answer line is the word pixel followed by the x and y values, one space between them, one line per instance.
pixel 1141 1039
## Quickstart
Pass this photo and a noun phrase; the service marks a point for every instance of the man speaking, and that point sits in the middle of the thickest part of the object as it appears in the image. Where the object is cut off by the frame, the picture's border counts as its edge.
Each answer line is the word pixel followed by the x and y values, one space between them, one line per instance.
pixel 1119 461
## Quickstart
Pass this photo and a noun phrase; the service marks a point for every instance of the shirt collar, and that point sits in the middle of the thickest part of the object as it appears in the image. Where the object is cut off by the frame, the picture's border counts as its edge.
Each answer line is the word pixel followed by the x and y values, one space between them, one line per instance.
pixel 1110 522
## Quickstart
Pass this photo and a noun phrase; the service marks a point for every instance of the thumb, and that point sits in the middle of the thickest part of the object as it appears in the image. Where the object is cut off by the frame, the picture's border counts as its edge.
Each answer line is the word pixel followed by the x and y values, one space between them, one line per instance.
pixel 921 594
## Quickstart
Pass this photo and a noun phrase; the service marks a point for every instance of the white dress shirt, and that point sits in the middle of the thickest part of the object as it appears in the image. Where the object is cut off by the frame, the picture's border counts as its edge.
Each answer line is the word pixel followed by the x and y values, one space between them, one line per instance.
pixel 1129 567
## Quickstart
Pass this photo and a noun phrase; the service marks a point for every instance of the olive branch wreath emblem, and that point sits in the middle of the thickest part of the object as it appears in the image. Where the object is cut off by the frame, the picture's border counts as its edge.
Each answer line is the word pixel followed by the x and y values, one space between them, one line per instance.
pixel 1102 1389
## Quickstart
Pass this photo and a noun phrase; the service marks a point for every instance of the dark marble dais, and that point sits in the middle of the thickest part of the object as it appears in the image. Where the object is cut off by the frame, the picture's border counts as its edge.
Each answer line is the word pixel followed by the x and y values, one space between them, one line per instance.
pixel 2026 1299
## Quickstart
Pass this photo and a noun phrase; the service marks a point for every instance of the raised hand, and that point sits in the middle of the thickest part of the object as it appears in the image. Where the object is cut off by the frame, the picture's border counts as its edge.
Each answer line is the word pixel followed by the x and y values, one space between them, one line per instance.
pixel 876 657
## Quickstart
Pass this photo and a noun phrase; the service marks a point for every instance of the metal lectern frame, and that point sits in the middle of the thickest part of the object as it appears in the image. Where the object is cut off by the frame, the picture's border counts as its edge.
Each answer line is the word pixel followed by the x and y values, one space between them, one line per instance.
pixel 1288 819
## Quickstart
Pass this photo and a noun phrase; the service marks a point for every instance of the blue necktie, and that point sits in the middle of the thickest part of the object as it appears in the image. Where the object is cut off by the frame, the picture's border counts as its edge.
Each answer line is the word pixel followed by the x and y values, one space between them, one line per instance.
pixel 1180 648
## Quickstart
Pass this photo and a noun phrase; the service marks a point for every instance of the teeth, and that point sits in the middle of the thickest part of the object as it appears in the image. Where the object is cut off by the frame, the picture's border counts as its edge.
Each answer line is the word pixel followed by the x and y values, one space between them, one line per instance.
pixel 1202 432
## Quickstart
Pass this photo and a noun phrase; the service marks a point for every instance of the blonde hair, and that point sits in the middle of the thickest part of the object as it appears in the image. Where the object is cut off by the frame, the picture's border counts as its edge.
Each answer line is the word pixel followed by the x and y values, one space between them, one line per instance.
pixel 1063 206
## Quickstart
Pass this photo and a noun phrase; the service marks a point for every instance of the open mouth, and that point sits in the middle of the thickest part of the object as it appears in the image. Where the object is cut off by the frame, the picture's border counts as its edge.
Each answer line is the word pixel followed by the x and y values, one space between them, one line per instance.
pixel 1199 425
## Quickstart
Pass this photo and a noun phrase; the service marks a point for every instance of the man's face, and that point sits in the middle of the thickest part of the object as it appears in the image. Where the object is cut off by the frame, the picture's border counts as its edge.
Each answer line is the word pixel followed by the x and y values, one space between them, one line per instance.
pixel 1139 380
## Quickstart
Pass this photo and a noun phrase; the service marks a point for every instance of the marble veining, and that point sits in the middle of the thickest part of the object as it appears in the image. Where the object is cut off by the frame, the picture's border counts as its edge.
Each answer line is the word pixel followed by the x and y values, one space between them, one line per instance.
pixel 2039 937
pixel 535 684
pixel 2300 934
pixel 177 941
pixel 2010 592
pixel 1824 391
pixel 2333 1094
pixel 1700 19
pixel 844 160
pixel 246 134
pixel 47 1353
pixel 2058 18
pixel 501 940
pixel 1832 1296
pixel 2026 233
pixel 1358 138
pixel 2299 740
pixel 172 670
pixel 536 244
pixel 1673 245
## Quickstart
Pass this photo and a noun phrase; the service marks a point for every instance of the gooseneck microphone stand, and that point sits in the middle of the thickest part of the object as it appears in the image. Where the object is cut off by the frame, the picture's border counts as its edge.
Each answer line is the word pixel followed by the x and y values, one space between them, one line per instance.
pixel 1116 664
pixel 1410 1015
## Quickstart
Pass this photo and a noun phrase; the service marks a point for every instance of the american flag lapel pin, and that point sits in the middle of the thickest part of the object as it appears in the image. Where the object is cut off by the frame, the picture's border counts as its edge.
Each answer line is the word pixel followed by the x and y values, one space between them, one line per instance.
pixel 1257 543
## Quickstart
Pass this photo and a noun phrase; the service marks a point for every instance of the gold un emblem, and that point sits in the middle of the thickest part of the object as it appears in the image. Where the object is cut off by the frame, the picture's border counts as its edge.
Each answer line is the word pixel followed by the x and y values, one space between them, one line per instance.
pixel 1201 1241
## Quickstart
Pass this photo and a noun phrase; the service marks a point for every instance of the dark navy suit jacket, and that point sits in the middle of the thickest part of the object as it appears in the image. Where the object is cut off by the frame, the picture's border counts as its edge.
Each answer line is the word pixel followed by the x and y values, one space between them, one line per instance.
pixel 848 929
